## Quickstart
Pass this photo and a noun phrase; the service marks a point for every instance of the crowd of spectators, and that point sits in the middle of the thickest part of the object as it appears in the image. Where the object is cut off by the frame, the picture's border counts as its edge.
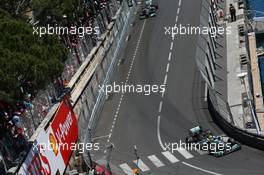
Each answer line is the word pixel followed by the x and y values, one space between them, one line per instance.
pixel 13 133
pixel 15 129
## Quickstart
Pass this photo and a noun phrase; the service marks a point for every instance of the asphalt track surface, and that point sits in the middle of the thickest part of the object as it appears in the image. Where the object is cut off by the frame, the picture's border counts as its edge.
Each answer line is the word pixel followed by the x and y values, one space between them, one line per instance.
pixel 132 119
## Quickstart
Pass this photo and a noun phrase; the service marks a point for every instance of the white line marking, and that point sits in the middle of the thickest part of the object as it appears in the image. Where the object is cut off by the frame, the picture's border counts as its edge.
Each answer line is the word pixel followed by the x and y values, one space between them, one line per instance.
pixel 160 106
pixel 179 2
pixel 158 133
pixel 127 78
pixel 170 157
pixel 126 169
pixel 141 165
pixel 177 17
pixel 100 137
pixel 171 46
pixel 195 167
pixel 169 58
pixel 185 153
pixel 155 161
pixel 168 67
pixel 205 92
pixel 165 79
pixel 162 94
pixel 178 11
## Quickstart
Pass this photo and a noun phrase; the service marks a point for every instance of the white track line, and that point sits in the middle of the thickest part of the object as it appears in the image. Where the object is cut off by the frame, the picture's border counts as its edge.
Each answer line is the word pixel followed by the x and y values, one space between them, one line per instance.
pixel 160 106
pixel 127 78
pixel 195 167
pixel 205 92
pixel 170 157
pixel 158 133
pixel 100 137
pixel 165 79
pixel 141 165
pixel 125 167
pixel 169 58
pixel 179 3
pixel 155 161
pixel 162 94
pixel 178 11
pixel 185 153
pixel 168 67
pixel 171 46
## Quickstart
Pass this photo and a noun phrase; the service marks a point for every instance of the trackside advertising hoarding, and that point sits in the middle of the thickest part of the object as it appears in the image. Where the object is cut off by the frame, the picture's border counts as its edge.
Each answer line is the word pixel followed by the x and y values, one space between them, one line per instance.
pixel 65 128
pixel 52 148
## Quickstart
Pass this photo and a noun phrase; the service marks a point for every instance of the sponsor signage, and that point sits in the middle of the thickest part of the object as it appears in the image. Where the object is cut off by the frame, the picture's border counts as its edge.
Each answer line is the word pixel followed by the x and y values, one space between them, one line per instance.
pixel 65 128
pixel 52 148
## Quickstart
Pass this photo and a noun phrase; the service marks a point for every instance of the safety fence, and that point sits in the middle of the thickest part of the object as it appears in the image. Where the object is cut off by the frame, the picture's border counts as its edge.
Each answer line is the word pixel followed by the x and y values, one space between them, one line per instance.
pixel 39 106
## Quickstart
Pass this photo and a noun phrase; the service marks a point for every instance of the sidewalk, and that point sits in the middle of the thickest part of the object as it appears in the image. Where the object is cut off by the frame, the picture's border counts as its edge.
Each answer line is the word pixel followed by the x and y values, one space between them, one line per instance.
pixel 238 88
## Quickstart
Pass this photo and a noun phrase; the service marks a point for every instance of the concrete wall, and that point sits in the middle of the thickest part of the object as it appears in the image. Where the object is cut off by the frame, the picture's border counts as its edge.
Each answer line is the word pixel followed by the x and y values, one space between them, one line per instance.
pixel 97 70
pixel 240 135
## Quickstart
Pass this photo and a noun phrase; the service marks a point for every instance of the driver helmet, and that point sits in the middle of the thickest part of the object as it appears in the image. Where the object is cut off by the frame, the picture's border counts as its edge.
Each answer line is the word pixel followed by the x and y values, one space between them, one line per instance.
pixel 210 137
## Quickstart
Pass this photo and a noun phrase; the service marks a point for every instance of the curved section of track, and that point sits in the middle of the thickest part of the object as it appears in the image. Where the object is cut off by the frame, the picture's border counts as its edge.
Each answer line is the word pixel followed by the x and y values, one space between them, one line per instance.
pixel 148 121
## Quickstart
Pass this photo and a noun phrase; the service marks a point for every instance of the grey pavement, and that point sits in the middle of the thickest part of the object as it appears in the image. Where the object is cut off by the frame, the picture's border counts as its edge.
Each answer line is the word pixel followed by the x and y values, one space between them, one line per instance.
pixel 237 95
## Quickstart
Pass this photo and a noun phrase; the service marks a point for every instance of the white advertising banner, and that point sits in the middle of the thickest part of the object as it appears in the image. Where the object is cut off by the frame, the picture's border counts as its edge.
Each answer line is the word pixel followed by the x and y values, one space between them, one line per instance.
pixel 43 158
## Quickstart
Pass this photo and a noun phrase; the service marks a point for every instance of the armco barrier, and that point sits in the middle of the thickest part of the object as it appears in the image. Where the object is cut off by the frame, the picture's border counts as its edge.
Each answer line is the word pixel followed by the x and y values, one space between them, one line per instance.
pixel 240 135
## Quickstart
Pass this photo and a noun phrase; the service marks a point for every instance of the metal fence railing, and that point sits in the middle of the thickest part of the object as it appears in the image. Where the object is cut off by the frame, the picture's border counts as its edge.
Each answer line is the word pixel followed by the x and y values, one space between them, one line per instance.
pixel 38 107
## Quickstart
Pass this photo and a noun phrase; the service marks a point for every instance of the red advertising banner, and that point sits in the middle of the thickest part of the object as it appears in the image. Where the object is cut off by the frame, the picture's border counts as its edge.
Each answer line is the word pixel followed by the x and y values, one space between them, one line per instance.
pixel 65 128
pixel 52 147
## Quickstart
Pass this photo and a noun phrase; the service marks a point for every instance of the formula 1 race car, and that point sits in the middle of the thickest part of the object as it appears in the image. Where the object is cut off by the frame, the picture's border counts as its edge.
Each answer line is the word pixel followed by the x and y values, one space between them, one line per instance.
pixel 215 145
pixel 149 10
pixel 197 135
pixel 223 145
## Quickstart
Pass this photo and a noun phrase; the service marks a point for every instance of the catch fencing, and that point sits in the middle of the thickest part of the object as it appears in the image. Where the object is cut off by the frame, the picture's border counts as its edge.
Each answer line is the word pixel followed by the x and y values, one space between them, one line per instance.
pixel 39 106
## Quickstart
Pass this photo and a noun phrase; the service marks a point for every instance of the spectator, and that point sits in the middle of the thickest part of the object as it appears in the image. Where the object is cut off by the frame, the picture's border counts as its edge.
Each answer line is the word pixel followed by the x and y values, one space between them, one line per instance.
pixel 17 121
pixel 232 11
